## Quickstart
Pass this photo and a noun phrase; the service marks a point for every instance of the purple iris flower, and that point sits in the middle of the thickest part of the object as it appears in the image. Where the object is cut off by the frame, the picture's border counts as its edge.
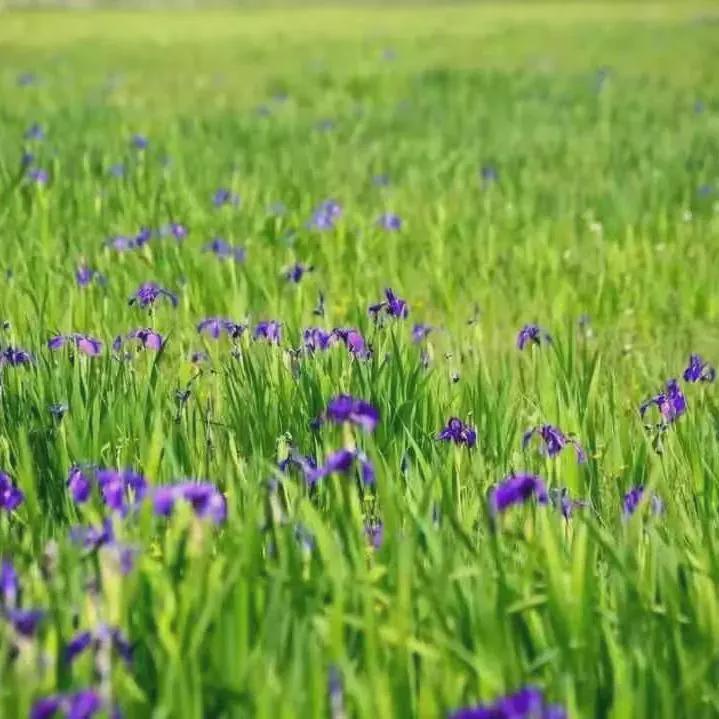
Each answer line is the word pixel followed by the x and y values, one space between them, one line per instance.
pixel 10 496
pixel 15 357
pixel 295 459
pixel 297 271
pixel 222 249
pixel 315 339
pixel 79 482
pixel 345 408
pixel 122 243
pixel 35 132
pixel 698 370
pixel 223 196
pixel 178 231
pixel 458 432
pixel 9 584
pixel 25 621
pixel 146 338
pixel 117 170
pixel 342 461
pixel 38 176
pixel 353 341
pixel 84 704
pixel 392 306
pixel 139 142
pixel 390 222
pixel 420 332
pixel 84 343
pixel 526 703
pixel 198 357
pixel 270 330
pixel 562 501
pixel 633 498
pixel 374 531
pixel 101 636
pixel 84 275
pixel 91 537
pixel 215 326
pixel 553 441
pixel 516 489
pixel 671 403
pixel 325 216
pixel 147 293
pixel 27 158
pixel 121 488
pixel 532 334
pixel 206 500
pixel 58 410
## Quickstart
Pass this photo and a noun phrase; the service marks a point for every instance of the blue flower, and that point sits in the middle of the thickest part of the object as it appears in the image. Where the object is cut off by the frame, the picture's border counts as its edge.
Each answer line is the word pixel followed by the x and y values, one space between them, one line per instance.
pixel 392 306
pixel 532 334
pixel 458 432
pixel 671 403
pixel 553 441
pixel 224 250
pixel 147 293
pixel 389 221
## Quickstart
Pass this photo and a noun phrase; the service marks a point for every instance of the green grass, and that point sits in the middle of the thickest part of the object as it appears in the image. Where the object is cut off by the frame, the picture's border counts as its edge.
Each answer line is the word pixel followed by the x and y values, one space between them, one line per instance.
pixel 606 205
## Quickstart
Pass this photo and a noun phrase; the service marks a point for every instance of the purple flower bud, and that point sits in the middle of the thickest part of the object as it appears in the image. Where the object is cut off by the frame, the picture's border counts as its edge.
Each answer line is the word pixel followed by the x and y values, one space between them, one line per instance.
pixel 10 496
pixel 296 272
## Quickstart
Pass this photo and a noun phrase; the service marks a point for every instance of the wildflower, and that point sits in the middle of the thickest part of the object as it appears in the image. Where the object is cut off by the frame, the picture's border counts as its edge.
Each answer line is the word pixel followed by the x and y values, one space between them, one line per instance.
pixel 198 357
pixel 381 180
pixel 325 215
pixel 698 370
pixel 315 338
pixel 215 326
pixel 516 489
pixel 270 330
pixel 27 158
pixel 420 332
pixel 353 341
pixel 93 538
pixel 139 142
pixel 147 293
pixel 86 344
pixel 345 408
pixel 392 305
pixel 222 249
pixel 25 79
pixel 38 176
pixel 534 334
pixel 178 231
pixel 84 704
pixel 526 703
pixel 146 338
pixel 553 441
pixel 560 499
pixel 633 498
pixel 671 403
pixel 295 459
pixel 14 357
pixel 84 275
pixel 120 489
pixel 9 584
pixel 389 221
pixel 458 432
pixel 206 500
pixel 122 243
pixel 117 170
pixel 297 271
pixel 10 496
pixel 223 196
pixel 277 209
pixel 35 132
pixel 342 461
pixel 25 621
pixel 102 635
pixel 374 531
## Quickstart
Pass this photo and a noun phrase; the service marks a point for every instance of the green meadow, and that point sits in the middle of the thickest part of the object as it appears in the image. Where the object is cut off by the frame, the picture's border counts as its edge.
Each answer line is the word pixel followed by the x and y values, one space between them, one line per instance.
pixel 495 165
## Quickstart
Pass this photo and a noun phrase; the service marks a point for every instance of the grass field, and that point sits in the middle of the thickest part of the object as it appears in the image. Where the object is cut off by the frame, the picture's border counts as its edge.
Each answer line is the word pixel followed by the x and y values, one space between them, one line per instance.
pixel 496 166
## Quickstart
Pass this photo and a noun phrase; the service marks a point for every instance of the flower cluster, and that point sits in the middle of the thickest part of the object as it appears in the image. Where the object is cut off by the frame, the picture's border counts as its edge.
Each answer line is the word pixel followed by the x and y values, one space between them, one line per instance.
pixel 526 703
